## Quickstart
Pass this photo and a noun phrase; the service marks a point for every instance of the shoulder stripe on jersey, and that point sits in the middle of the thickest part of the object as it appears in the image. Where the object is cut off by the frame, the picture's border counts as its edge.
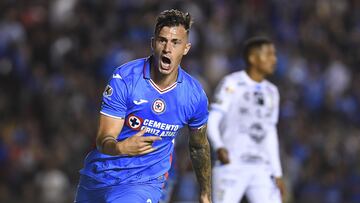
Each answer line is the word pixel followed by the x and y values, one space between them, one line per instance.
pixel 198 128
pixel 111 115
pixel 164 90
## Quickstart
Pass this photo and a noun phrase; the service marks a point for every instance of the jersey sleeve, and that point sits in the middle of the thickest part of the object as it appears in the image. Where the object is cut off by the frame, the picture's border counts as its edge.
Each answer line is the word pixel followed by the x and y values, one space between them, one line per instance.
pixel 276 104
pixel 221 105
pixel 213 129
pixel 114 98
pixel 200 116
pixel 272 141
pixel 222 97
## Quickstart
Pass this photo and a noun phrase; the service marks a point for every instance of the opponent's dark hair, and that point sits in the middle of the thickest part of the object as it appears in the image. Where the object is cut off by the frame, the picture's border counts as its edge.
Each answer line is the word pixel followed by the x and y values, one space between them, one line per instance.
pixel 254 43
pixel 172 18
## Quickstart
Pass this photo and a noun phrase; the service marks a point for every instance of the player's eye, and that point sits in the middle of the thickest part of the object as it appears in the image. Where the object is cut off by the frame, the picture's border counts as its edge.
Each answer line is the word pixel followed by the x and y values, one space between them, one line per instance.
pixel 162 40
pixel 176 42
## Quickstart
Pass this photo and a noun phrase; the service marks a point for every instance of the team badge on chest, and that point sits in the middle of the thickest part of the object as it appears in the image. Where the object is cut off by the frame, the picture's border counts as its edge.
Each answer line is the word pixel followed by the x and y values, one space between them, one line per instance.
pixel 158 106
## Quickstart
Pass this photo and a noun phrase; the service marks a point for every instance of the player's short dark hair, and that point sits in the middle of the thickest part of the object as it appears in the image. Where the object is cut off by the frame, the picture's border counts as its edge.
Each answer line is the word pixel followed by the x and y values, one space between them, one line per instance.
pixel 254 43
pixel 172 18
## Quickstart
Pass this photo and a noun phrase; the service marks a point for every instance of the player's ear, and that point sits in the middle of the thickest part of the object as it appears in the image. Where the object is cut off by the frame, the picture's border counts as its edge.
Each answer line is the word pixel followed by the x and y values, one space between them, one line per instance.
pixel 152 44
pixel 187 48
pixel 252 58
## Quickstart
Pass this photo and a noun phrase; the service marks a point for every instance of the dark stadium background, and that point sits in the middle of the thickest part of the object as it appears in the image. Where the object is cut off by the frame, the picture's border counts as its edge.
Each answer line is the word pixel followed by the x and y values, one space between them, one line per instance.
pixel 56 56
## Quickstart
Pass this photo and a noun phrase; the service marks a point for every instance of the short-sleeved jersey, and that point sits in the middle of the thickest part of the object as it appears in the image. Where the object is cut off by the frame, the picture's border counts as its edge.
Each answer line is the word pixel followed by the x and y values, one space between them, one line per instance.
pixel 250 112
pixel 133 96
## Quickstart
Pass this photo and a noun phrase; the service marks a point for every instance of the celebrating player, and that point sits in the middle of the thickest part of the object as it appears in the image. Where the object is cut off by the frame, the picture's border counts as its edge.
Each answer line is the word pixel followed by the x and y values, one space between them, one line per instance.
pixel 242 128
pixel 145 104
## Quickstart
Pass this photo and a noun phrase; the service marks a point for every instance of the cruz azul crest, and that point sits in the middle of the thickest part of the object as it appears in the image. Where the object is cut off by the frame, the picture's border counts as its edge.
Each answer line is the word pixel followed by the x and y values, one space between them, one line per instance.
pixel 158 106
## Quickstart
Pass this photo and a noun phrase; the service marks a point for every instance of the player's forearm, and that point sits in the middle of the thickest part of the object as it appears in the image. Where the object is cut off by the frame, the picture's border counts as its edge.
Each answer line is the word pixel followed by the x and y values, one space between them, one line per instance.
pixel 274 152
pixel 107 145
pixel 200 157
pixel 109 129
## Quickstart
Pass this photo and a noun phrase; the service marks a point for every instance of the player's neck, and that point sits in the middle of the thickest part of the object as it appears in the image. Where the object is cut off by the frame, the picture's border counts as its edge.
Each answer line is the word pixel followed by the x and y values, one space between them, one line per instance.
pixel 255 75
pixel 161 80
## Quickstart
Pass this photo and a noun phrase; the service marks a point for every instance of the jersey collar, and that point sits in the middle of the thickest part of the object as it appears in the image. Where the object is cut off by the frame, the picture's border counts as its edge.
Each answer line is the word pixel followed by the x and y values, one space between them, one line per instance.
pixel 146 70
pixel 249 80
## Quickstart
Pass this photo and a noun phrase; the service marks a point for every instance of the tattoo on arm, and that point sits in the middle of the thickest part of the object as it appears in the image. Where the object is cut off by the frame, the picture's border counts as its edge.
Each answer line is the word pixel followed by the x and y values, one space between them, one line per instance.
pixel 200 157
pixel 103 143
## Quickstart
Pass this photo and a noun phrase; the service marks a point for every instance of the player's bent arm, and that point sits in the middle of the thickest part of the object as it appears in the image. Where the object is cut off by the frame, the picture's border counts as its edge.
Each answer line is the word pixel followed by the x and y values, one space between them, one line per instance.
pixel 215 117
pixel 200 157
pixel 272 143
pixel 272 140
pixel 109 129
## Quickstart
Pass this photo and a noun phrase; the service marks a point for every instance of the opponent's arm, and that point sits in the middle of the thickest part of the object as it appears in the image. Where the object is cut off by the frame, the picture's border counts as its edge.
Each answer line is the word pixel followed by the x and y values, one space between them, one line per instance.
pixel 215 117
pixel 223 98
pixel 272 143
pixel 109 129
pixel 200 157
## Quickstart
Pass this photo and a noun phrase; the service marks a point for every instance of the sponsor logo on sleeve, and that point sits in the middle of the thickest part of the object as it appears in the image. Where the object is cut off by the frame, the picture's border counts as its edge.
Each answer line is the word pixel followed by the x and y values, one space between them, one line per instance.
pixel 108 91
pixel 229 90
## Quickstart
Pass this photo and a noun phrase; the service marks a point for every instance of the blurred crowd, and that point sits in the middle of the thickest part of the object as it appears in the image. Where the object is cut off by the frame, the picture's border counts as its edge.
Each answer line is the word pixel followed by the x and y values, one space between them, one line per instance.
pixel 56 57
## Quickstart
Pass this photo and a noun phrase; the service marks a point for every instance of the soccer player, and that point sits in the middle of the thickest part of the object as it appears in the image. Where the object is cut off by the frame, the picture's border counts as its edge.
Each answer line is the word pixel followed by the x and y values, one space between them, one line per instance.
pixel 242 128
pixel 145 104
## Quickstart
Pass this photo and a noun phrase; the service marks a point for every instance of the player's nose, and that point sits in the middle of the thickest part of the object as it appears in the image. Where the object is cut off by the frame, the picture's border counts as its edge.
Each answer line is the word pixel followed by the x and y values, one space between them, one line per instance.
pixel 167 48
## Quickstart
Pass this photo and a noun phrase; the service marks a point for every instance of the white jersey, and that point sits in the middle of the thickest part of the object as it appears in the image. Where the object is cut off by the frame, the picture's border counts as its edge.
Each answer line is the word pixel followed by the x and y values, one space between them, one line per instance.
pixel 243 119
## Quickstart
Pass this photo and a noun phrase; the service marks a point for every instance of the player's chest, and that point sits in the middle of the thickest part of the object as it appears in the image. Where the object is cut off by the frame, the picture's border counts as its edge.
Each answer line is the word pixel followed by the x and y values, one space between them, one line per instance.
pixel 164 106
pixel 253 101
pixel 163 113
pixel 153 103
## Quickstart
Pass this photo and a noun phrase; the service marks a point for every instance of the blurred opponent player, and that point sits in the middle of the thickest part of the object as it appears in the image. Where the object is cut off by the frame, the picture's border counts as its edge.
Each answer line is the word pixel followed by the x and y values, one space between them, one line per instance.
pixel 242 128
pixel 145 104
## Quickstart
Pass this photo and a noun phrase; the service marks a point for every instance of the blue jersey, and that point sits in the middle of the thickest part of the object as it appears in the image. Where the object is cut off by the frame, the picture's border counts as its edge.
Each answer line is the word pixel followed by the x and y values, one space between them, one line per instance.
pixel 132 95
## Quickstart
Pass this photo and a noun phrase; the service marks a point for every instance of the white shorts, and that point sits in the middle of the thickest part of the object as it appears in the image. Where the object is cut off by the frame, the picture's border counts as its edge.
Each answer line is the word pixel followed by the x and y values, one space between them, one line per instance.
pixel 230 183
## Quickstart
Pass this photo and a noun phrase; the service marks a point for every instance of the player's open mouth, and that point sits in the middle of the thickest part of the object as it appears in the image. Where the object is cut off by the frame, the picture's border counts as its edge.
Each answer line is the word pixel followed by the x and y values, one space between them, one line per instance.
pixel 165 62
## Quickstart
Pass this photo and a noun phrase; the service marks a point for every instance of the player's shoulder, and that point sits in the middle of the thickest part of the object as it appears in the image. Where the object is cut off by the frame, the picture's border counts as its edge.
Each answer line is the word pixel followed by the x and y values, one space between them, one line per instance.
pixel 271 86
pixel 193 96
pixel 129 69
pixel 192 89
pixel 233 78
pixel 190 81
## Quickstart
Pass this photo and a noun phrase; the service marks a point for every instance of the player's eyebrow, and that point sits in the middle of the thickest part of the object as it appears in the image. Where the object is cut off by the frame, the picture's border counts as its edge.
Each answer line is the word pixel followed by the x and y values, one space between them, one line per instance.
pixel 176 40
pixel 162 38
